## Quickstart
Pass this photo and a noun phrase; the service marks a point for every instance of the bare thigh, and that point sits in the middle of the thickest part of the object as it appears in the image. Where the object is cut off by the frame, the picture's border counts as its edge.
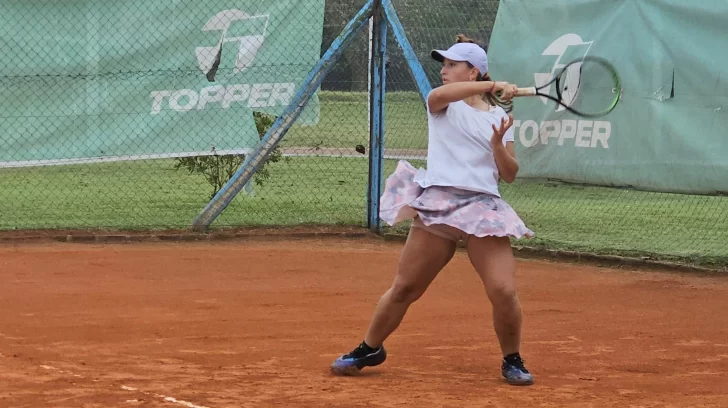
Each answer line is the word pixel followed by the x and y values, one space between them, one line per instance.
pixel 423 257
pixel 492 258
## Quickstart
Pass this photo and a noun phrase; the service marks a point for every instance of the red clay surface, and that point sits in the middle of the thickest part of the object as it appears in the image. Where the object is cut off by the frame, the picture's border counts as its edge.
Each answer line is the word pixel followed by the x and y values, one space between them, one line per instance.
pixel 242 324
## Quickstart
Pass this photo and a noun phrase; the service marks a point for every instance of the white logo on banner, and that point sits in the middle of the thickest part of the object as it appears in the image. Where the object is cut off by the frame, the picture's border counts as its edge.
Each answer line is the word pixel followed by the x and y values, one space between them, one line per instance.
pixel 245 94
pixel 248 45
pixel 558 49
pixel 578 133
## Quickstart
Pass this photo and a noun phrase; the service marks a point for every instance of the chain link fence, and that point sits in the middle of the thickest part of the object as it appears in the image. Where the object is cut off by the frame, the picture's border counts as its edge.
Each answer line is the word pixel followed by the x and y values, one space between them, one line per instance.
pixel 108 120
pixel 590 219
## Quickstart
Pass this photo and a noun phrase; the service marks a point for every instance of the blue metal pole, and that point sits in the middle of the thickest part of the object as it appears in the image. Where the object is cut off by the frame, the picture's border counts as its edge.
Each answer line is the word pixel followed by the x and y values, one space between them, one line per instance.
pixel 284 122
pixel 376 132
pixel 423 84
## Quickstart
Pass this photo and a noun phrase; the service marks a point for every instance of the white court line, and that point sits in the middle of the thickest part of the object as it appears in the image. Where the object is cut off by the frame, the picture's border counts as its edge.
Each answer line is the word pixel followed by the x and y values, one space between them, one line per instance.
pixel 168 399
pixel 126 388
pixel 10 337
pixel 113 159
pixel 50 368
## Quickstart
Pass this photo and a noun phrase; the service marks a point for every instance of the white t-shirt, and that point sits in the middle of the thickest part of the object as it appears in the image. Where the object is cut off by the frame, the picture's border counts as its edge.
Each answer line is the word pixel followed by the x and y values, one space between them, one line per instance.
pixel 459 152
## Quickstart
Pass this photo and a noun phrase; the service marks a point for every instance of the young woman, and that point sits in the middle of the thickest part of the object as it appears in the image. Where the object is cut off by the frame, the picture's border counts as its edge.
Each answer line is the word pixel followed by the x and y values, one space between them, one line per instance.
pixel 456 198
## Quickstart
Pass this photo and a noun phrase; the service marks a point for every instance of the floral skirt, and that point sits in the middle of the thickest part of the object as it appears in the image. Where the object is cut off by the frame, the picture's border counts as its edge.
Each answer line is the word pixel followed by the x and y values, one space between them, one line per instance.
pixel 474 213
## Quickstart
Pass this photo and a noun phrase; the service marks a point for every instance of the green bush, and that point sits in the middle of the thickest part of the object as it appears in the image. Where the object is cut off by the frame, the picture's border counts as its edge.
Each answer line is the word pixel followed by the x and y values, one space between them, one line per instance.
pixel 219 168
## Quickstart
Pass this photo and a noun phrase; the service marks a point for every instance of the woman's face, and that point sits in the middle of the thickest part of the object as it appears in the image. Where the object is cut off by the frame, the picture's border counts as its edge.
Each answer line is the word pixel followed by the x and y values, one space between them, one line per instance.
pixel 456 71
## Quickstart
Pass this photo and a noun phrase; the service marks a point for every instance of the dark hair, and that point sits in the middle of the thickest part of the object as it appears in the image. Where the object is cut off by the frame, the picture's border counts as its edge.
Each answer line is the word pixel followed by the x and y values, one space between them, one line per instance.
pixel 488 97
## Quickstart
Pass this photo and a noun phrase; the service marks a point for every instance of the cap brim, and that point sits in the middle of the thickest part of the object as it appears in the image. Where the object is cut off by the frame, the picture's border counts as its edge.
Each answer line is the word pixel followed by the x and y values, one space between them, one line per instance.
pixel 440 55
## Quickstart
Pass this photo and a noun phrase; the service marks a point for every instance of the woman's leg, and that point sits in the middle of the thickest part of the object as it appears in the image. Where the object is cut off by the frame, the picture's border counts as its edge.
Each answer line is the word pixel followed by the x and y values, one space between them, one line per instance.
pixel 424 255
pixel 493 259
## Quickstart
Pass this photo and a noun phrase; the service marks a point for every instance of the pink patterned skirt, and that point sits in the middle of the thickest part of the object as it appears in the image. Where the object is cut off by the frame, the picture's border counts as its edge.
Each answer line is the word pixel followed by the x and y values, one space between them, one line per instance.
pixel 474 213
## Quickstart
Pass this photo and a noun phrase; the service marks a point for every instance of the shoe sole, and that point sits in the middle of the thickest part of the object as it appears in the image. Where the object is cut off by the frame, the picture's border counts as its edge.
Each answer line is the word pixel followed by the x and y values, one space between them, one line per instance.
pixel 346 371
pixel 355 369
pixel 519 383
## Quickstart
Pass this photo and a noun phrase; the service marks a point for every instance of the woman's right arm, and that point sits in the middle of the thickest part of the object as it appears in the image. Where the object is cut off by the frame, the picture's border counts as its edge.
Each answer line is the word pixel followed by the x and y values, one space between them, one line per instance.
pixel 442 96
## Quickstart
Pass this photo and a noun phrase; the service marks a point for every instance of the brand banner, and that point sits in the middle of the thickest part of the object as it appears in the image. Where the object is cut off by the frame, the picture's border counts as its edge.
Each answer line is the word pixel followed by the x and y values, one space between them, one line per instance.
pixel 668 132
pixel 102 80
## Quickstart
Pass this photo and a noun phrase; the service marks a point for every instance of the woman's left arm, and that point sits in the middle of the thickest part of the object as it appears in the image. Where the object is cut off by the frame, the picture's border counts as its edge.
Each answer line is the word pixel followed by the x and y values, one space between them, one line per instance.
pixel 505 155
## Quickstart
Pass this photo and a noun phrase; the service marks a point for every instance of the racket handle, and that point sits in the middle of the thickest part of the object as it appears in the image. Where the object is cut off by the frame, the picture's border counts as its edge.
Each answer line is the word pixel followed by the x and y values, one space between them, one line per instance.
pixel 526 91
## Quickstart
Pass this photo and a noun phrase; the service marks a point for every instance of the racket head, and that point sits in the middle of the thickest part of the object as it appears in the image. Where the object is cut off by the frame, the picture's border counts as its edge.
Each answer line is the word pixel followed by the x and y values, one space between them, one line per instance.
pixel 588 87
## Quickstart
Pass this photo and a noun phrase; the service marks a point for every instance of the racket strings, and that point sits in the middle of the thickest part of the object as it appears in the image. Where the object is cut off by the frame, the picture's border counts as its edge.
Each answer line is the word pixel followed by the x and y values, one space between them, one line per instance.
pixel 589 87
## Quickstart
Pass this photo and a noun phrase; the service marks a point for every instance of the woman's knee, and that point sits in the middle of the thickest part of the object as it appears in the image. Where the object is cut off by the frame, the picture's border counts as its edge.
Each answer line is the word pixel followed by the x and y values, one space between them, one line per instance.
pixel 503 296
pixel 406 292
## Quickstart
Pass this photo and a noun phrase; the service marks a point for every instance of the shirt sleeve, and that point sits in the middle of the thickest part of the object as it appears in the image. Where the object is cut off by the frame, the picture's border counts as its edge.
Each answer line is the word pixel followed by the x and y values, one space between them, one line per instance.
pixel 427 103
pixel 446 111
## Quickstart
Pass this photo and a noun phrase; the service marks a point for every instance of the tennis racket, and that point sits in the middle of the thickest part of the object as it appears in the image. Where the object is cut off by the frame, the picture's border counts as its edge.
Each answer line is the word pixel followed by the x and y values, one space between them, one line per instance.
pixel 588 87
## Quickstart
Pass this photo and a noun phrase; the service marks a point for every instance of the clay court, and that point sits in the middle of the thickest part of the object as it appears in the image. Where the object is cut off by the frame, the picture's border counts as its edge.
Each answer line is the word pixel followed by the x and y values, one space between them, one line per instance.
pixel 256 323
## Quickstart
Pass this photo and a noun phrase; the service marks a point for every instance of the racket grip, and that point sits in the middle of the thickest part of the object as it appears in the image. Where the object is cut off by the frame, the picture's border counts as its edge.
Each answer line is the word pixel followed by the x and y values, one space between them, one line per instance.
pixel 526 91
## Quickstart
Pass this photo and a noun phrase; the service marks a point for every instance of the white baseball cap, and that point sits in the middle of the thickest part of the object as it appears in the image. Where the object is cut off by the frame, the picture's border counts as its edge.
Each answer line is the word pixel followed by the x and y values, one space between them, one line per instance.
pixel 470 52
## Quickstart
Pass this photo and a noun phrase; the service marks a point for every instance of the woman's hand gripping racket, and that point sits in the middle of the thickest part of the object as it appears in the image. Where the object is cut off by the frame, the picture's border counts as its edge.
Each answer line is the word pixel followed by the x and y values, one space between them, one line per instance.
pixel 588 87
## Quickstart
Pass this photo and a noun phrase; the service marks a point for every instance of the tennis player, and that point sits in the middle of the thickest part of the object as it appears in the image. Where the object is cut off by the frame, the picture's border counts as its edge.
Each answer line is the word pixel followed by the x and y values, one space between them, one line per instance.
pixel 455 198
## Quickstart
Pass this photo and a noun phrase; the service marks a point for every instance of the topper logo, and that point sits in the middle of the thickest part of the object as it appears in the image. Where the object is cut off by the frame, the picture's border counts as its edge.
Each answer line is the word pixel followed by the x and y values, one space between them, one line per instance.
pixel 251 95
pixel 248 45
pixel 577 133
pixel 559 48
